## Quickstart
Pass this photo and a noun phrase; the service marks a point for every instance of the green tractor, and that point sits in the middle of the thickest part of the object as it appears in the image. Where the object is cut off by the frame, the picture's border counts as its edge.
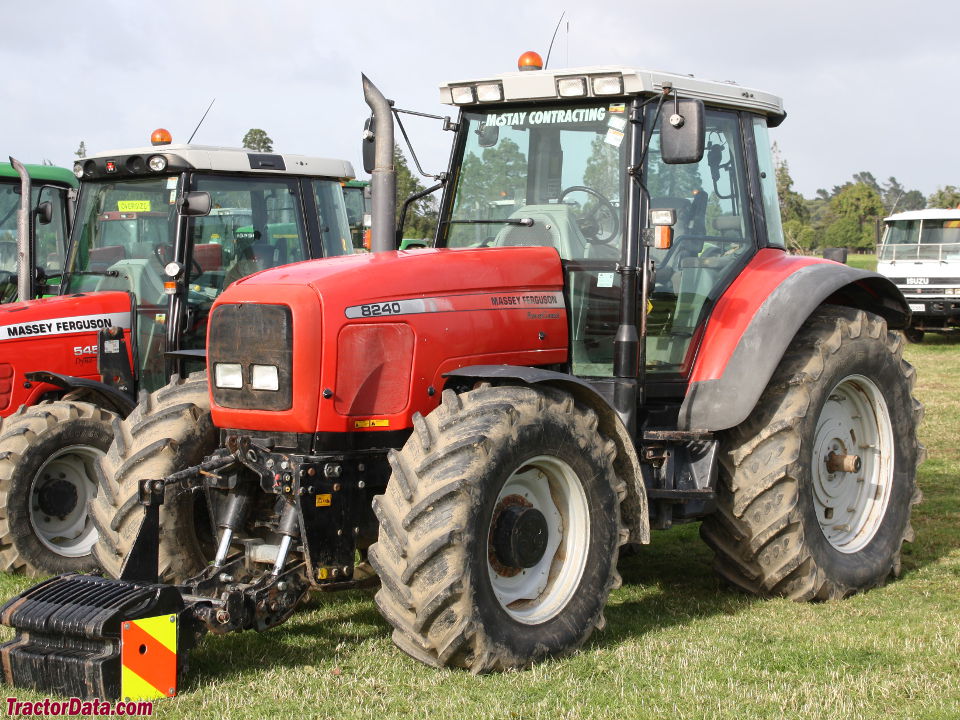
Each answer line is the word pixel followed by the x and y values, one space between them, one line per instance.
pixel 52 191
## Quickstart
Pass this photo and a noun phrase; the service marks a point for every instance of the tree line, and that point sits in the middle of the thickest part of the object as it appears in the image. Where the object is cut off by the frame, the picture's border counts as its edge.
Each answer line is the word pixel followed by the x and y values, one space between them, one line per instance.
pixel 847 214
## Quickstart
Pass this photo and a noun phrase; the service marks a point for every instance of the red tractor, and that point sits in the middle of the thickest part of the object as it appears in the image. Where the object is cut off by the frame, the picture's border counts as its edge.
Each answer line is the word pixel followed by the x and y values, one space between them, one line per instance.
pixel 625 347
pixel 159 232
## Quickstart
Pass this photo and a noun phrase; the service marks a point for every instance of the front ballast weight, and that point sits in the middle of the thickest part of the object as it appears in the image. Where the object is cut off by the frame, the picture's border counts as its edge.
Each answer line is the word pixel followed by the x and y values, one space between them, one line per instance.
pixel 71 629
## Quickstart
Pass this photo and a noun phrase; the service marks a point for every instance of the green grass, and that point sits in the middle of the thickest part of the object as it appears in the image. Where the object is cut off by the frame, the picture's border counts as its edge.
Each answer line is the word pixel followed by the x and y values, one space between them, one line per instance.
pixel 864 262
pixel 677 645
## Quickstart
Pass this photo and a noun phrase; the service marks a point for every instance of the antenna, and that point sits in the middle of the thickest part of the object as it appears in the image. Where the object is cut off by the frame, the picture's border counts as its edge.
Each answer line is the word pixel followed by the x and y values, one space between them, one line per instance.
pixel 550 49
pixel 201 121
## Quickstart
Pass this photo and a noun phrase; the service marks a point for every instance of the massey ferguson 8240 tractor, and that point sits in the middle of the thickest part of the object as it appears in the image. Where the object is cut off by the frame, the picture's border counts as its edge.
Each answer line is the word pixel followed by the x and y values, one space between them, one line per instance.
pixel 160 232
pixel 607 338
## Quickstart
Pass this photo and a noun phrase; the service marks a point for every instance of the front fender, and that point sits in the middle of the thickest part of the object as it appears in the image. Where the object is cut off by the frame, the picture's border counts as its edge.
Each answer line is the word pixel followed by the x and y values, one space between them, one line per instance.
pixel 754 322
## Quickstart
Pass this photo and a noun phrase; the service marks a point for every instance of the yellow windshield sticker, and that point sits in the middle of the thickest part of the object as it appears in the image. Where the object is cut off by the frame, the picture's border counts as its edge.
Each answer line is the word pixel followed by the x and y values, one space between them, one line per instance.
pixel 133 205
pixel 324 500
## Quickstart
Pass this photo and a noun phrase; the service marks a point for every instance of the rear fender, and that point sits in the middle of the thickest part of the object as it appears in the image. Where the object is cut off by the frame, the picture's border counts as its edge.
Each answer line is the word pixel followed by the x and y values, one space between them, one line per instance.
pixel 634 513
pixel 754 322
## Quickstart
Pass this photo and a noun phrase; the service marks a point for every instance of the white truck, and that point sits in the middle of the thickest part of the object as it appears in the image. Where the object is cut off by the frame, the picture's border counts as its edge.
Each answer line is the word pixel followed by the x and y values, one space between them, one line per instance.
pixel 920 253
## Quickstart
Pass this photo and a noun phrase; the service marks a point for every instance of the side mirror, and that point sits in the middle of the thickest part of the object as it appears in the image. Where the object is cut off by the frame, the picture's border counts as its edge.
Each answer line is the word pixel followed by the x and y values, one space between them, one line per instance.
pixel 194 204
pixel 369 146
pixel 682 132
pixel 488 135
pixel 44 212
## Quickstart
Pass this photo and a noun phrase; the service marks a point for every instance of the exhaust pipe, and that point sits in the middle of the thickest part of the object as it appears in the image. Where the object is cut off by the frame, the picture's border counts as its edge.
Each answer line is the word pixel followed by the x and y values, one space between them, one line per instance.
pixel 24 235
pixel 383 182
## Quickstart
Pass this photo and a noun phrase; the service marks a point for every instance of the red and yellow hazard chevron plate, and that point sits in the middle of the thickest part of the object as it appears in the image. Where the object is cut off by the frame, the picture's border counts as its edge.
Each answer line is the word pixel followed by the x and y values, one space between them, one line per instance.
pixel 148 658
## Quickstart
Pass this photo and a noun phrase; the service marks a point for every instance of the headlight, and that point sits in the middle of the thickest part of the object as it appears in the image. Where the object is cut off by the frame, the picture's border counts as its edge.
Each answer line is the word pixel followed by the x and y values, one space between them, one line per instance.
pixel 228 375
pixel 608 85
pixel 265 377
pixel 78 170
pixel 462 94
pixel 572 87
pixel 489 93
pixel 157 163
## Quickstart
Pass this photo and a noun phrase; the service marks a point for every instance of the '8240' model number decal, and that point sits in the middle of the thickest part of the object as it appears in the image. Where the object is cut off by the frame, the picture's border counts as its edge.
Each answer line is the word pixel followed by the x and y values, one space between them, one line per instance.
pixel 458 303
pixel 378 309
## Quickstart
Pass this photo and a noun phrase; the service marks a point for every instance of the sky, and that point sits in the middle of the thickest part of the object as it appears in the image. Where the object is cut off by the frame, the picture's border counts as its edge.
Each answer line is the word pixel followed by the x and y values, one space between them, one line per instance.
pixel 866 85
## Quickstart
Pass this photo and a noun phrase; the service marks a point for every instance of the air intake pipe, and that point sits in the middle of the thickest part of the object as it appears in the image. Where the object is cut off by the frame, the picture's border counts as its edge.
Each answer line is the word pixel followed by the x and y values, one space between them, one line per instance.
pixel 383 182
pixel 24 236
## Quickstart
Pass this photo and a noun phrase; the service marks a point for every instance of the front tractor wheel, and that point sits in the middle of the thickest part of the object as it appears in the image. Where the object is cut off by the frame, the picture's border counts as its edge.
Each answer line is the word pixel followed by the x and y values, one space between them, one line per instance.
pixel 47 458
pixel 817 485
pixel 499 530
pixel 169 430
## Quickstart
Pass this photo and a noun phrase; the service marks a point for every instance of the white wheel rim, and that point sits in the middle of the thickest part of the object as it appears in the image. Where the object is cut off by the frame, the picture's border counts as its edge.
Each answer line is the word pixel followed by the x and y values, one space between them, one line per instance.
pixel 539 593
pixel 73 534
pixel 851 506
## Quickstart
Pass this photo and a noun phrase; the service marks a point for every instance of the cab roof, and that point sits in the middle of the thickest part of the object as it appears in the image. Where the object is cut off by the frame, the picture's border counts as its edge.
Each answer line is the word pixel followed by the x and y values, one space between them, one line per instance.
pixel 928 214
pixel 540 85
pixel 41 173
pixel 134 161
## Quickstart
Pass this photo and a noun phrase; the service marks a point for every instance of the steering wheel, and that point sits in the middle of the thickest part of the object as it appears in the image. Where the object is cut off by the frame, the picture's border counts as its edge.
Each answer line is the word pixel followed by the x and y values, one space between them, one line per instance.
pixel 590 224
pixel 161 251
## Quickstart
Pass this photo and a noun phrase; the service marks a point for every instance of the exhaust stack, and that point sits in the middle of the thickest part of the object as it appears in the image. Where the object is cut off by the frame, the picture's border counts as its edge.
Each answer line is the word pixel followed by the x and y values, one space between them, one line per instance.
pixel 24 236
pixel 383 182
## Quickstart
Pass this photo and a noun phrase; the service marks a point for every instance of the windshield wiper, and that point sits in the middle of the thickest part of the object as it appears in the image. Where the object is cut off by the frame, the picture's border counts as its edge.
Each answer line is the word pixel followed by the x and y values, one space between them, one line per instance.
pixel 104 273
pixel 526 222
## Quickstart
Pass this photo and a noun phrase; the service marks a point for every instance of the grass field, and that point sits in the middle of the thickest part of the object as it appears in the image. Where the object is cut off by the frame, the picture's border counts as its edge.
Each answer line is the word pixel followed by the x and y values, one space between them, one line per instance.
pixel 677 644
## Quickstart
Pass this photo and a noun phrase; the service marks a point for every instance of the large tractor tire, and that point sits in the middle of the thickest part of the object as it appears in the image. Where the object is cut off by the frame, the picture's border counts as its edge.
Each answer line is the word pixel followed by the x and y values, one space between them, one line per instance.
pixel 168 431
pixel 499 530
pixel 817 485
pixel 48 453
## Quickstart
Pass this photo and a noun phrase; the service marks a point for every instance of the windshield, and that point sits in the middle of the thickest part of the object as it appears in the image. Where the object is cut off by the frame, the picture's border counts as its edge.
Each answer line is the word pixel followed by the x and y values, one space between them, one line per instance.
pixel 927 239
pixel 50 237
pixel 542 176
pixel 122 229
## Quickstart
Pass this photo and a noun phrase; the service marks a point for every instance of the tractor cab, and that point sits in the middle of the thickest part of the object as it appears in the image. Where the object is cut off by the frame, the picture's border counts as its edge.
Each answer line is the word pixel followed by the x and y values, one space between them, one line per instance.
pixel 51 207
pixel 576 160
pixel 176 224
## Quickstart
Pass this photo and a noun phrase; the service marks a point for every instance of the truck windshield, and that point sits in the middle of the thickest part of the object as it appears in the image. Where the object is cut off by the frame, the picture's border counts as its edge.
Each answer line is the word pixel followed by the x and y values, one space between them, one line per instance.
pixel 927 239
pixel 549 175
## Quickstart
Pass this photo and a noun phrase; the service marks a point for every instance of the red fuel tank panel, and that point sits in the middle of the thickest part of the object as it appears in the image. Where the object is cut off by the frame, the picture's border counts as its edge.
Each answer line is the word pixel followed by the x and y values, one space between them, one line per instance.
pixel 376 332
pixel 56 334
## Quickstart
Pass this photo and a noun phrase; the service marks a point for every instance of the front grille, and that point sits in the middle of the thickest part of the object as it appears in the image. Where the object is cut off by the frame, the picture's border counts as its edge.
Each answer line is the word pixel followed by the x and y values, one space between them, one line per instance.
pixel 252 334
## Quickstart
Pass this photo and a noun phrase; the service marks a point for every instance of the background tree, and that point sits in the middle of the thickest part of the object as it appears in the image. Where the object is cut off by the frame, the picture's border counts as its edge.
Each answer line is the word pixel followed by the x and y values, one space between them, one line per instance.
pixel 421 220
pixel 945 197
pixel 257 140
pixel 855 210
pixel 792 204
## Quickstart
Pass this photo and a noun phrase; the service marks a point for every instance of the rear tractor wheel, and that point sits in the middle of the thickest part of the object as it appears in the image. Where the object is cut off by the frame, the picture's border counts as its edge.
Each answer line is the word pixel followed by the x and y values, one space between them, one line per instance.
pixel 48 454
pixel 499 530
pixel 817 485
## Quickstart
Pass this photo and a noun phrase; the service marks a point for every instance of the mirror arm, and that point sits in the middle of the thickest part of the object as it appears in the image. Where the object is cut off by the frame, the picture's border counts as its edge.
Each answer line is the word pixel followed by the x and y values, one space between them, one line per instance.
pixel 412 199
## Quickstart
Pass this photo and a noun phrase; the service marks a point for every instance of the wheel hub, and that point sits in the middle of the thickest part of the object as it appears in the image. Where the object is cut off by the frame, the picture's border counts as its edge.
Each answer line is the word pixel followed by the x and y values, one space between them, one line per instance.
pixel 58 501
pixel 520 536
pixel 852 465
pixel 57 498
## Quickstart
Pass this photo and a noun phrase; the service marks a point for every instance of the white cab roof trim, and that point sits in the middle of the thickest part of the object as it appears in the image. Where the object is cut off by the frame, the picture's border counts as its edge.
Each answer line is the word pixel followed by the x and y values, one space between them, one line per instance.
pixel 930 214
pixel 542 85
pixel 221 159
